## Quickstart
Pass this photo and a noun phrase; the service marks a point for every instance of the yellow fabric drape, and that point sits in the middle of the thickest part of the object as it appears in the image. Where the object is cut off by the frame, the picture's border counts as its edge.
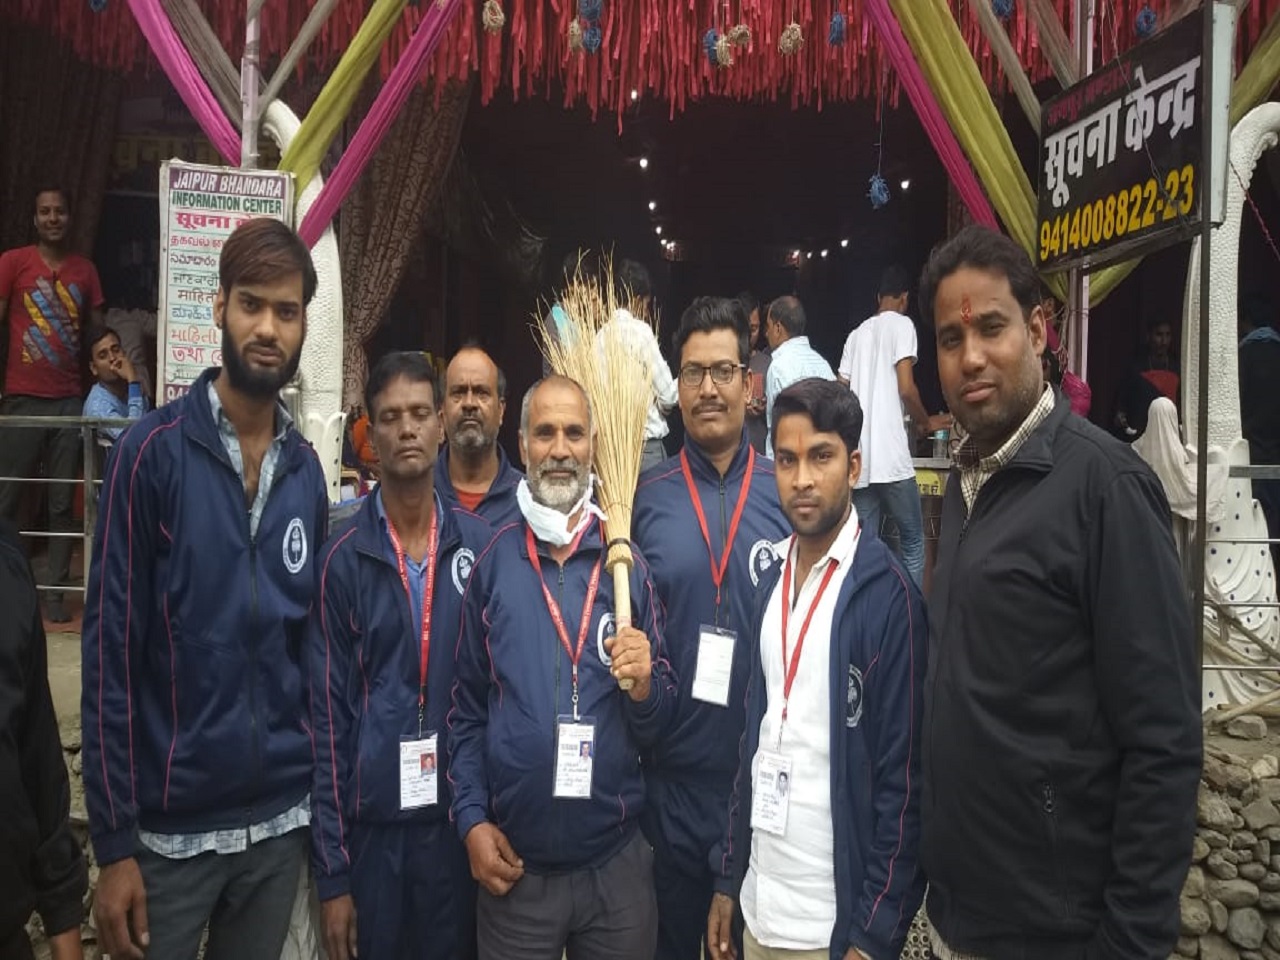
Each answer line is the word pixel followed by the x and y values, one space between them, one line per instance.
pixel 949 66
pixel 325 118
pixel 953 75
pixel 1258 77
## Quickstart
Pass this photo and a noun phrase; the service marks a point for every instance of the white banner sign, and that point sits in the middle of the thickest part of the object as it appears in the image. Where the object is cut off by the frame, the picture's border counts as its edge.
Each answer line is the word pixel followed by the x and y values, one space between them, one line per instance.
pixel 199 208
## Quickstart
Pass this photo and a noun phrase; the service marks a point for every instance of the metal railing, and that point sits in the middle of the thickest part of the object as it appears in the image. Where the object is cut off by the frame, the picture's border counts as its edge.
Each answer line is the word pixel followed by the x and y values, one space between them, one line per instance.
pixel 1227 621
pixel 89 480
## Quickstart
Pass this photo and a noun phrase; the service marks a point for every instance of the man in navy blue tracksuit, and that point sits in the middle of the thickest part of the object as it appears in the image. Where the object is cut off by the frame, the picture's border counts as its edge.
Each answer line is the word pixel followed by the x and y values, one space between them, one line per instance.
pixel 391 873
pixel 820 853
pixel 707 521
pixel 473 470
pixel 197 759
pixel 545 743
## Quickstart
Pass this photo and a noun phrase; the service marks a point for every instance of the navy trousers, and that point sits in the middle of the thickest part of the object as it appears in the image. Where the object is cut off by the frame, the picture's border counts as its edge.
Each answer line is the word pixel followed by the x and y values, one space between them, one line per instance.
pixel 414 896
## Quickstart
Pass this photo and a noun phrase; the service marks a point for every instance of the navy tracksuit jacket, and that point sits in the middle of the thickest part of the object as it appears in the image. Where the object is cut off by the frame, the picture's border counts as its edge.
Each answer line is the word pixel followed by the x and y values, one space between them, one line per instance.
pixel 193 699
pixel 690 773
pixel 514 681
pixel 406 869
pixel 879 648
pixel 498 507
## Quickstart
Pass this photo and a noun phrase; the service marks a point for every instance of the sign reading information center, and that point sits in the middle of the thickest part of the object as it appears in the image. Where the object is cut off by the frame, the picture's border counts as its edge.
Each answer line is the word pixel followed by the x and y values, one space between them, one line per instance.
pixel 1121 154
pixel 199 207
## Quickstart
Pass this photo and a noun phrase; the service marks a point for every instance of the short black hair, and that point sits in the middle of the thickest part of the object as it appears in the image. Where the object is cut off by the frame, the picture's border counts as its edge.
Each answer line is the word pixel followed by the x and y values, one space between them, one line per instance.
pixel 830 406
pixel 980 248
pixel 894 282
pixel 706 314
pixel 475 345
pixel 750 303
pixel 789 312
pixel 96 334
pixel 633 281
pixel 57 188
pixel 413 365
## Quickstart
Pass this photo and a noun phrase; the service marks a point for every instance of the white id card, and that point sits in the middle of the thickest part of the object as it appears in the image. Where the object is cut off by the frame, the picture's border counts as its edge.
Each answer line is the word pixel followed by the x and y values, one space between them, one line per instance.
pixel 771 794
pixel 714 671
pixel 575 754
pixel 419 772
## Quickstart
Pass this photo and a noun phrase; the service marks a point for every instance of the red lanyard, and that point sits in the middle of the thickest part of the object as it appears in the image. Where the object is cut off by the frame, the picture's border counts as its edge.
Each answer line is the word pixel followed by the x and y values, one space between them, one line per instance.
pixel 717 573
pixel 557 618
pixel 433 536
pixel 793 664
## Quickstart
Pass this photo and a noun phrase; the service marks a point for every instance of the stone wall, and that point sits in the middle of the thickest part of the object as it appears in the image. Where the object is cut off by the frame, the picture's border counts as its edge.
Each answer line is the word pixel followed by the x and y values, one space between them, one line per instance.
pixel 1231 900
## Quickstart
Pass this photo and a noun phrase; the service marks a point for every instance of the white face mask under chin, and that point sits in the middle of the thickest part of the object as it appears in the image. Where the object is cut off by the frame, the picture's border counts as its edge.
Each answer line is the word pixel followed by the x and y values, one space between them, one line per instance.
pixel 549 524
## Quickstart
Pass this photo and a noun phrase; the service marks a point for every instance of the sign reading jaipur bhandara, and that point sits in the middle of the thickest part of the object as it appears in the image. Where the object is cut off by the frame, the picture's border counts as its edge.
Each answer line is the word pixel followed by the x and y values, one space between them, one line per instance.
pixel 1120 155
pixel 199 208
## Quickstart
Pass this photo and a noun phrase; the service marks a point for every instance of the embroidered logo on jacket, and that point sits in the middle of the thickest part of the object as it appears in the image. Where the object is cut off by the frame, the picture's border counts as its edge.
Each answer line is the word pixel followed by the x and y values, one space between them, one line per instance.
pixel 295 546
pixel 762 557
pixel 463 562
pixel 853 700
pixel 604 631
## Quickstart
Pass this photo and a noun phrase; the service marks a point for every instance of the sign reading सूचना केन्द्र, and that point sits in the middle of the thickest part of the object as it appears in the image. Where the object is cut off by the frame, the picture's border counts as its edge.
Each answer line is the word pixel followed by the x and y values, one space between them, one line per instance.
pixel 1120 155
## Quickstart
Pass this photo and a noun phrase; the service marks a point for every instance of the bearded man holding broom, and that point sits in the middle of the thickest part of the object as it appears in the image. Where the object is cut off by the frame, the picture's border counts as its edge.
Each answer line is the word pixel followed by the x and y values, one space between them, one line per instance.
pixel 545 742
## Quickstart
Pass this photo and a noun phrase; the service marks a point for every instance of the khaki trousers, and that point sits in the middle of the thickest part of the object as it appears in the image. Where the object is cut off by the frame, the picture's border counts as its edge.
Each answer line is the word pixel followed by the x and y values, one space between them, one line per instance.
pixel 751 947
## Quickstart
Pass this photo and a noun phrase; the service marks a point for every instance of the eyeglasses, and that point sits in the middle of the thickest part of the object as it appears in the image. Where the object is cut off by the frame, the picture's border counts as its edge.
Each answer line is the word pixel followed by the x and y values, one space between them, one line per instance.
pixel 692 374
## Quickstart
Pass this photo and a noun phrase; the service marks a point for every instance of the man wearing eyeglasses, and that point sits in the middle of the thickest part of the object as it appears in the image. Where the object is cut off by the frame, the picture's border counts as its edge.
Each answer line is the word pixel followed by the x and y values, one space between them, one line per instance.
pixel 710 516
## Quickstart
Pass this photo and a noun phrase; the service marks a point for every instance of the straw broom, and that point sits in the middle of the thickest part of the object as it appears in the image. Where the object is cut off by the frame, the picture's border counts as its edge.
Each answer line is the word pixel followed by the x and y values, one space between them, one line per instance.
pixel 617 380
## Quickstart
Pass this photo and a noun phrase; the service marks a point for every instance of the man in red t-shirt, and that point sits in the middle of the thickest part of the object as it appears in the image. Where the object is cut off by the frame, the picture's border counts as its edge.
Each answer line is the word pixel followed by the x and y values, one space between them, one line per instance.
pixel 47 294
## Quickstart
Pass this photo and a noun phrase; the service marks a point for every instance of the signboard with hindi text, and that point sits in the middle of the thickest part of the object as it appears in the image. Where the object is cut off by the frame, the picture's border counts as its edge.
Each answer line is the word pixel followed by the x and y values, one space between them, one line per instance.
pixel 199 208
pixel 1120 155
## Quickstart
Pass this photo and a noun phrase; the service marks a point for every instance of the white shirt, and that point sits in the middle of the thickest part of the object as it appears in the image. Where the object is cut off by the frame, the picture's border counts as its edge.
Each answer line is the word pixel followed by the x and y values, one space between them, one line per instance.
pixel 641 340
pixel 789 894
pixel 871 354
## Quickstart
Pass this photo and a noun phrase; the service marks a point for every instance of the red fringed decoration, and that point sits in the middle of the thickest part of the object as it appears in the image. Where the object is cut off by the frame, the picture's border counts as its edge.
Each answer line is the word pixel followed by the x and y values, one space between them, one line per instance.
pixel 651 46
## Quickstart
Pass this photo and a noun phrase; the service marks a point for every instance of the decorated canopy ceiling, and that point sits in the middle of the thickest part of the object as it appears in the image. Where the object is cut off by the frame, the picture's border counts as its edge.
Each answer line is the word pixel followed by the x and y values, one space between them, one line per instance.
pixel 656 48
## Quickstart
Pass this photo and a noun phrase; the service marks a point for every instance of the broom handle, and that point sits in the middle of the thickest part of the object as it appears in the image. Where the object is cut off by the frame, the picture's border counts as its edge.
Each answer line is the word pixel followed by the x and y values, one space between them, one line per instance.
pixel 622 607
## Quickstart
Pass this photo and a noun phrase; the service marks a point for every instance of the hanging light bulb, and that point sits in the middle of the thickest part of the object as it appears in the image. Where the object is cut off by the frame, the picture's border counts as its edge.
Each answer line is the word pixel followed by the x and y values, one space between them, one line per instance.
pixel 653 205
pixel 844 244
pixel 635 95
pixel 644 163
pixel 824 254
pixel 906 184
pixel 658 231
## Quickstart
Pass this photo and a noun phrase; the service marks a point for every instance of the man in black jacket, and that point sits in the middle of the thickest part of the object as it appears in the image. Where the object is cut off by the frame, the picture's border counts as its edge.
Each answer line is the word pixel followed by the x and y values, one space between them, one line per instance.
pixel 1062 736
pixel 43 867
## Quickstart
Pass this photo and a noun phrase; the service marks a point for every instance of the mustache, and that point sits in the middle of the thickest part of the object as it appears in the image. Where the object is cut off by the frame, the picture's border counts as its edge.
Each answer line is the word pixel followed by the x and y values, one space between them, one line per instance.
pixel 558 464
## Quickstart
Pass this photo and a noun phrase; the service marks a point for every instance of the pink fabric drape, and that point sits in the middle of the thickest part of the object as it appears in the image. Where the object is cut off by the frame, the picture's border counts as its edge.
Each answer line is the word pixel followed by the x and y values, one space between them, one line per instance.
pixel 930 114
pixel 185 77
pixel 378 120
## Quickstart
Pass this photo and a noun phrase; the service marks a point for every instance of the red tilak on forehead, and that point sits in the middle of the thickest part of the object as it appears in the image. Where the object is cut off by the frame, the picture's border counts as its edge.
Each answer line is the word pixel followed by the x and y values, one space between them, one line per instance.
pixel 966 311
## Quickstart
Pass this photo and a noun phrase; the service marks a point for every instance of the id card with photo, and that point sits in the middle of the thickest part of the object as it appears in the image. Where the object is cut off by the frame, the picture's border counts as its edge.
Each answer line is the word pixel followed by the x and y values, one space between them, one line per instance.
pixel 419 772
pixel 575 756
pixel 771 793
pixel 713 674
